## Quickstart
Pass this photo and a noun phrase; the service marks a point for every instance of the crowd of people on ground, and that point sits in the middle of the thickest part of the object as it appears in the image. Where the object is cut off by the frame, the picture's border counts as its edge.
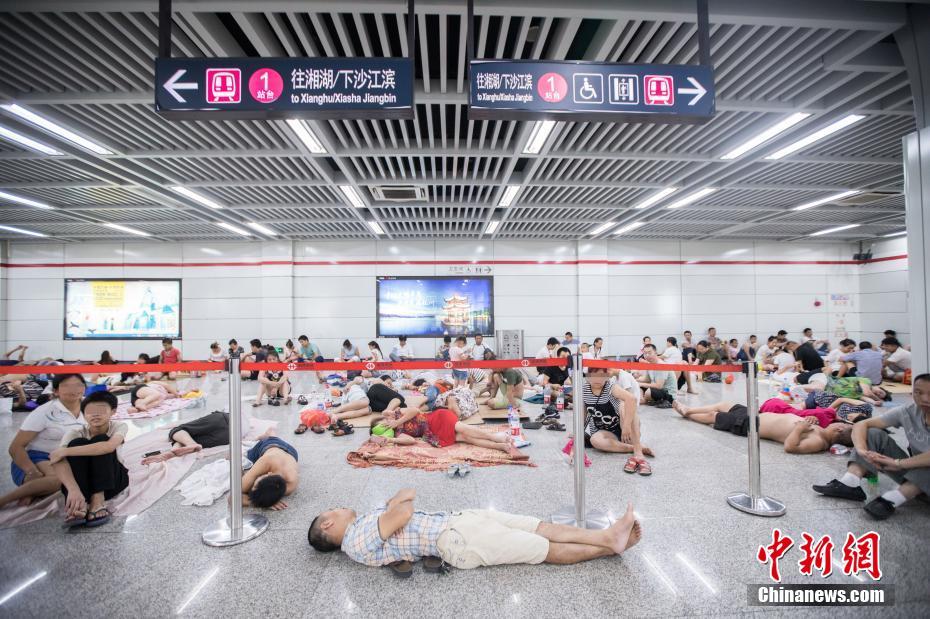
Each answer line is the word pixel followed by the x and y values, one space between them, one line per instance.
pixel 819 396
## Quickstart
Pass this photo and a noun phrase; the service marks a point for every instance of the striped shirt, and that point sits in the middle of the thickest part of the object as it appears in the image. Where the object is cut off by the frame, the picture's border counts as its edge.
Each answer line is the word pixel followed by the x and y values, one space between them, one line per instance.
pixel 418 538
pixel 601 416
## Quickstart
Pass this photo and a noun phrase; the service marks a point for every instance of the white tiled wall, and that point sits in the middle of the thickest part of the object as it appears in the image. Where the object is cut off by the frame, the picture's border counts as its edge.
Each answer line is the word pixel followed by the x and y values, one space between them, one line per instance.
pixel 883 292
pixel 544 288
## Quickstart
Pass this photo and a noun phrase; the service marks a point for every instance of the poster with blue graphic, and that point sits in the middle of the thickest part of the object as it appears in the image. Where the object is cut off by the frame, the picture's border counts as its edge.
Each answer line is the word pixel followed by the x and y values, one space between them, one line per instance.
pixel 435 306
pixel 117 309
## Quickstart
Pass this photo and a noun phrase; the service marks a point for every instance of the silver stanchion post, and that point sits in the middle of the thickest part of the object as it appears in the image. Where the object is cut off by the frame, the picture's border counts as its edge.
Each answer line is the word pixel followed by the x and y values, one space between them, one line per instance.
pixel 235 529
pixel 577 514
pixel 754 502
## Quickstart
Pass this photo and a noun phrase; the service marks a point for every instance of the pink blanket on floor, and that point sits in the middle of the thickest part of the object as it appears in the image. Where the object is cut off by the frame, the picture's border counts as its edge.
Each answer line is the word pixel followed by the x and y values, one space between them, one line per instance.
pixel 425 457
pixel 168 406
pixel 147 484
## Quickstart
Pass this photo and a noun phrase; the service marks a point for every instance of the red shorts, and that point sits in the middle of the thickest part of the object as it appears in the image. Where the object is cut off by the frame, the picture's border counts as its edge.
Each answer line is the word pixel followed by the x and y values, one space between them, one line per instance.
pixel 442 425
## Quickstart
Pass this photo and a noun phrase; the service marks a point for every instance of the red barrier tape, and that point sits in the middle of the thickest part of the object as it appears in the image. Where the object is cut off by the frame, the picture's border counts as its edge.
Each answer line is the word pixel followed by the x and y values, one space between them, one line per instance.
pixel 373 366
pixel 135 368
pixel 668 367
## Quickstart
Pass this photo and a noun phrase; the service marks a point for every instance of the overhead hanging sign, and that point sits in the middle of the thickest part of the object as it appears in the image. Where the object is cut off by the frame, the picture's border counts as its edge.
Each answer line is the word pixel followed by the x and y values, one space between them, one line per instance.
pixel 268 88
pixel 592 91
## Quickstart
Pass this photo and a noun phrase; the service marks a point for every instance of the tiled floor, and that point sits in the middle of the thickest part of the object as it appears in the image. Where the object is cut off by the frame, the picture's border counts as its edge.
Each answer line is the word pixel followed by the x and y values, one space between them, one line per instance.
pixel 696 558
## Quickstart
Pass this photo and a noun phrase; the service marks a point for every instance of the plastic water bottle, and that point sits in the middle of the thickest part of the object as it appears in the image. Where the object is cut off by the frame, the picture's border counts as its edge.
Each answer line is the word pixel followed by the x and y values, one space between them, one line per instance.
pixel 560 402
pixel 872 490
pixel 328 402
pixel 514 421
pixel 547 394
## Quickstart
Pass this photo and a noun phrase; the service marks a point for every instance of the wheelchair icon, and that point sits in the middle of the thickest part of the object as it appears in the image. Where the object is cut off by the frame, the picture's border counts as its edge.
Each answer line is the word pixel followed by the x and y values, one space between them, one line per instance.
pixel 588 88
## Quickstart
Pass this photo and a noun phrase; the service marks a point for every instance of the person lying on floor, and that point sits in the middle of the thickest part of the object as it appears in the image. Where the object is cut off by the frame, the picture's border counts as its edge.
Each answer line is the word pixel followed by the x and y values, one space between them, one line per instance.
pixel 875 451
pixel 273 383
pixel 39 435
pixel 465 540
pixel 659 387
pixel 202 433
pixel 151 395
pixel 853 388
pixel 847 409
pixel 799 435
pixel 87 464
pixel 612 422
pixel 440 428
pixel 442 394
pixel 274 473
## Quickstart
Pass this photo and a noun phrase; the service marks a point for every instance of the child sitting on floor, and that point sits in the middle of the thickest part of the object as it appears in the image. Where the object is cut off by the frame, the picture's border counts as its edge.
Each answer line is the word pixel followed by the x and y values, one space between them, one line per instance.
pixel 87 463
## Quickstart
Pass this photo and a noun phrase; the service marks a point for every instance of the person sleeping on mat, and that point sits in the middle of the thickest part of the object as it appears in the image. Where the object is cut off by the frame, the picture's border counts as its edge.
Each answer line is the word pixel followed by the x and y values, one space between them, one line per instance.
pixel 397 532
pixel 799 435
pixel 151 395
pixel 439 428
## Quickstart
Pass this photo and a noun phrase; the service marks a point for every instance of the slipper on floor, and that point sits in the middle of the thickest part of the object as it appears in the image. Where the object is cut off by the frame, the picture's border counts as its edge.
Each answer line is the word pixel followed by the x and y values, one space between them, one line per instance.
pixel 300 429
pixel 302 400
pixel 401 569
pixel 74 521
pixel 643 469
pixel 435 565
pixel 317 429
pixel 97 520
pixel 631 466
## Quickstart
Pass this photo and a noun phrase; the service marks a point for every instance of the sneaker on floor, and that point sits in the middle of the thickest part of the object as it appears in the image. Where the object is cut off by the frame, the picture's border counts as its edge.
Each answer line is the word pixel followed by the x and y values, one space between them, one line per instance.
pixel 880 508
pixel 839 490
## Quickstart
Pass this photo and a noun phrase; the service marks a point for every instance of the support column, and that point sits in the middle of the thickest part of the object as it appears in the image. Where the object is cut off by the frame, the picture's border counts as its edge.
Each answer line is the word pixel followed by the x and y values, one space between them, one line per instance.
pixel 914 42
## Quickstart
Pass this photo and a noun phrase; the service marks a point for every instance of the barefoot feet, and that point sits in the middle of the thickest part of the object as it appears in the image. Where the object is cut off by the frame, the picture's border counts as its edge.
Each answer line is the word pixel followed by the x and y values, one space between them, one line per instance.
pixel 620 532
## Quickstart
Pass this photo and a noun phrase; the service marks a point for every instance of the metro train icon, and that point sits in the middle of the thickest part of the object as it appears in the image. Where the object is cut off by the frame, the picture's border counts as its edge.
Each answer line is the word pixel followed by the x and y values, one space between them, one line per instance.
pixel 224 85
pixel 659 90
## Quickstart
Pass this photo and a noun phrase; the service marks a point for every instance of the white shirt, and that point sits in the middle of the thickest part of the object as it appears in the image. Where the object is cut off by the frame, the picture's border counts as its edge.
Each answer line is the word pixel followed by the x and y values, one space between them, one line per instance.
pixel 628 382
pixel 477 351
pixel 900 359
pixel 403 351
pixel 52 421
pixel 543 353
pixel 833 359
pixel 597 353
pixel 672 354
pixel 763 353
pixel 784 360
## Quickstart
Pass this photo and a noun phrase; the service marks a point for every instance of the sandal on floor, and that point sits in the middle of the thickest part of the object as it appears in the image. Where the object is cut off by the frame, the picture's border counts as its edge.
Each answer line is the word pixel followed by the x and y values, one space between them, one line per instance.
pixel 435 565
pixel 557 427
pixel 98 521
pixel 644 469
pixel 318 429
pixel 632 465
pixel 302 400
pixel 300 429
pixel 74 522
pixel 256 404
pixel 401 569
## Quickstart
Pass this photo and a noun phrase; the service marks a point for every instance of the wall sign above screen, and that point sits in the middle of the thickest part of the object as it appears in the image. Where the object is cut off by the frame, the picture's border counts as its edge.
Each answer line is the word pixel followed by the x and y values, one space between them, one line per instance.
pixel 435 306
pixel 122 309
pixel 591 91
pixel 268 88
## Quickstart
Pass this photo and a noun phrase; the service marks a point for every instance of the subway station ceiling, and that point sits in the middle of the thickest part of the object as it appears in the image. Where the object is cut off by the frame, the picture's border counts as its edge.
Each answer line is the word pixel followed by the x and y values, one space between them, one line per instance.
pixel 87 65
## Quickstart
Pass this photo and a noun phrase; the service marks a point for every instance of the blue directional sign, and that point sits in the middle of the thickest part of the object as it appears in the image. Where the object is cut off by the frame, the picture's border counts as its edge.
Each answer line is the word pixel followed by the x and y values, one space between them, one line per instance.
pixel 284 87
pixel 596 91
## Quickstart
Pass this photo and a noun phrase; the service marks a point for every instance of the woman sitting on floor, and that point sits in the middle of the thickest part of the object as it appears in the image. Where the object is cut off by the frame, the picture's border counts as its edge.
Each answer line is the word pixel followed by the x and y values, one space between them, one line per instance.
pixel 273 383
pixel 612 423
pixel 39 435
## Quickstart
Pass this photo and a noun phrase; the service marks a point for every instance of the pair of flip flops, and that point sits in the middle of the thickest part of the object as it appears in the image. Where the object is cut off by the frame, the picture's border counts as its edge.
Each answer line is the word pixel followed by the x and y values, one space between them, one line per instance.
pixel 302 400
pixel 315 428
pixel 96 521
pixel 340 428
pixel 431 565
pixel 458 470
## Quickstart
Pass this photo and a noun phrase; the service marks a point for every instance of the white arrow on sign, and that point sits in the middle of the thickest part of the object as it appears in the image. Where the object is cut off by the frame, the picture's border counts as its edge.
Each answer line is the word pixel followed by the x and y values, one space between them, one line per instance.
pixel 173 86
pixel 698 90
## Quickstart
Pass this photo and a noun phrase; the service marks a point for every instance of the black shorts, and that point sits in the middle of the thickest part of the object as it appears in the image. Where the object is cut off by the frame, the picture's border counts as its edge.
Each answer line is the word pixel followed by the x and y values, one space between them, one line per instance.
pixel 134 394
pixel 380 395
pixel 209 431
pixel 615 432
pixel 736 420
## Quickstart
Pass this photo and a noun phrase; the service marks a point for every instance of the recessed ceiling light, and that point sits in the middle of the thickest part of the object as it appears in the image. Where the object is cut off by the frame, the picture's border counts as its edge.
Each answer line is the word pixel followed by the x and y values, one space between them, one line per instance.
pixel 694 197
pixel 817 135
pixel 261 229
pixel 375 227
pixel 766 135
pixel 837 229
pixel 895 234
pixel 509 194
pixel 21 231
pixel 492 226
pixel 21 200
pixel 196 197
pixel 232 228
pixel 306 135
pixel 28 142
pixel 629 227
pixel 57 129
pixel 538 136
pixel 126 229
pixel 656 197
pixel 827 200
pixel 352 195
pixel 603 228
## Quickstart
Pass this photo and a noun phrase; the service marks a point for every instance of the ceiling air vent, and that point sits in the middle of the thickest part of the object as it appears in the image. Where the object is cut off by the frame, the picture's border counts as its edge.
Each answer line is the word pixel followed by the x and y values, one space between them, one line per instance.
pixel 866 198
pixel 399 193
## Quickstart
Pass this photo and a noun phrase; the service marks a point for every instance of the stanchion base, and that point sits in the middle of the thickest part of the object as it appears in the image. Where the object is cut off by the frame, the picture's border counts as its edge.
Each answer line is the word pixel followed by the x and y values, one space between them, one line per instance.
pixel 594 519
pixel 761 506
pixel 220 534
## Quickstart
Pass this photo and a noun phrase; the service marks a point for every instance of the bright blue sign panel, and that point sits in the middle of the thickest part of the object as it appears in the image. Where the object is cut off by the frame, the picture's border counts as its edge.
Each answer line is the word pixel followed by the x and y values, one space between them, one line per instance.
pixel 595 91
pixel 284 87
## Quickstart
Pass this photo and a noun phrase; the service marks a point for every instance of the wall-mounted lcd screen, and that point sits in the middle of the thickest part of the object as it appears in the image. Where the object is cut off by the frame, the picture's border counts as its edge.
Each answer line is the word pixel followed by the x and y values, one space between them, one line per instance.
pixel 118 309
pixel 435 306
